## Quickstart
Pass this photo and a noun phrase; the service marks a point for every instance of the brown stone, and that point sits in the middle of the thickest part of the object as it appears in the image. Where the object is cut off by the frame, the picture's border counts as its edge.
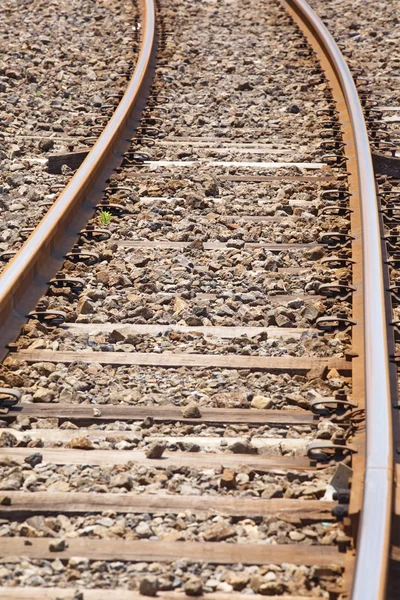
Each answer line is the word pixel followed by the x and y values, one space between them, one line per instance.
pixel 193 587
pixel 84 307
pixel 238 580
pixel 103 277
pixel 191 411
pixel 218 532
pixel 81 443
pixel 179 305
pixel 155 450
pixel 122 480
pixel 314 253
pixel 117 336
pixel 228 479
pixel 261 402
pixel 44 395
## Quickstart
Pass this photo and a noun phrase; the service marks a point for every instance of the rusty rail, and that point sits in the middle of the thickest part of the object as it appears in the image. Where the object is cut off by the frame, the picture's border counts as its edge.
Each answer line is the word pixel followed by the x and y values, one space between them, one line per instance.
pixel 25 277
pixel 372 556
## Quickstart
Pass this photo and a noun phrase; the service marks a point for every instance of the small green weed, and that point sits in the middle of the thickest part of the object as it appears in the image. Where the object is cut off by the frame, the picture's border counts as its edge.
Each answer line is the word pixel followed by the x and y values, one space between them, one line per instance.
pixel 105 217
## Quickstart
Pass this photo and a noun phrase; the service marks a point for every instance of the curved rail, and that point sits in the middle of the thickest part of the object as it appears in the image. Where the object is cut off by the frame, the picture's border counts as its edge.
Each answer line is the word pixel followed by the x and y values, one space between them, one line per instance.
pixel 372 557
pixel 24 278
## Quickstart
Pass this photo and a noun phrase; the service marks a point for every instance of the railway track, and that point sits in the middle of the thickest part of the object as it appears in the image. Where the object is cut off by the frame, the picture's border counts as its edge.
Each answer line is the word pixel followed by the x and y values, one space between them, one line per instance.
pixel 61 66
pixel 200 400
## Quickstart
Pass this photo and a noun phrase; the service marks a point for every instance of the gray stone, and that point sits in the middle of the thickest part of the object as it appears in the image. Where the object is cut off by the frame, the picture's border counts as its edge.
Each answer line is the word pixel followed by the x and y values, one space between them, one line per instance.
pixel 58 546
pixel 148 586
pixel 242 448
pixel 34 459
pixel 143 530
pixel 7 440
pixel 46 145
pixel 12 482
pixel 122 480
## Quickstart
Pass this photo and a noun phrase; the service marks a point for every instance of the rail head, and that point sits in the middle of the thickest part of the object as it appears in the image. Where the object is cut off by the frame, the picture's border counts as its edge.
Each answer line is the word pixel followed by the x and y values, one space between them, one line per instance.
pixel 373 543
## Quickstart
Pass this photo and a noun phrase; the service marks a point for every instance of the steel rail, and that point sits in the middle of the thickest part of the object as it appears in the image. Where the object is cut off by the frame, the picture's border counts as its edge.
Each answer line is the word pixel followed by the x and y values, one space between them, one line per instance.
pixel 25 277
pixel 373 544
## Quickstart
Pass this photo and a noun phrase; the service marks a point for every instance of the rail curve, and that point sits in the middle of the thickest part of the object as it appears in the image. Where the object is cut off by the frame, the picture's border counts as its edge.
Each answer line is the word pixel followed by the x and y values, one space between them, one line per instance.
pixel 373 544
